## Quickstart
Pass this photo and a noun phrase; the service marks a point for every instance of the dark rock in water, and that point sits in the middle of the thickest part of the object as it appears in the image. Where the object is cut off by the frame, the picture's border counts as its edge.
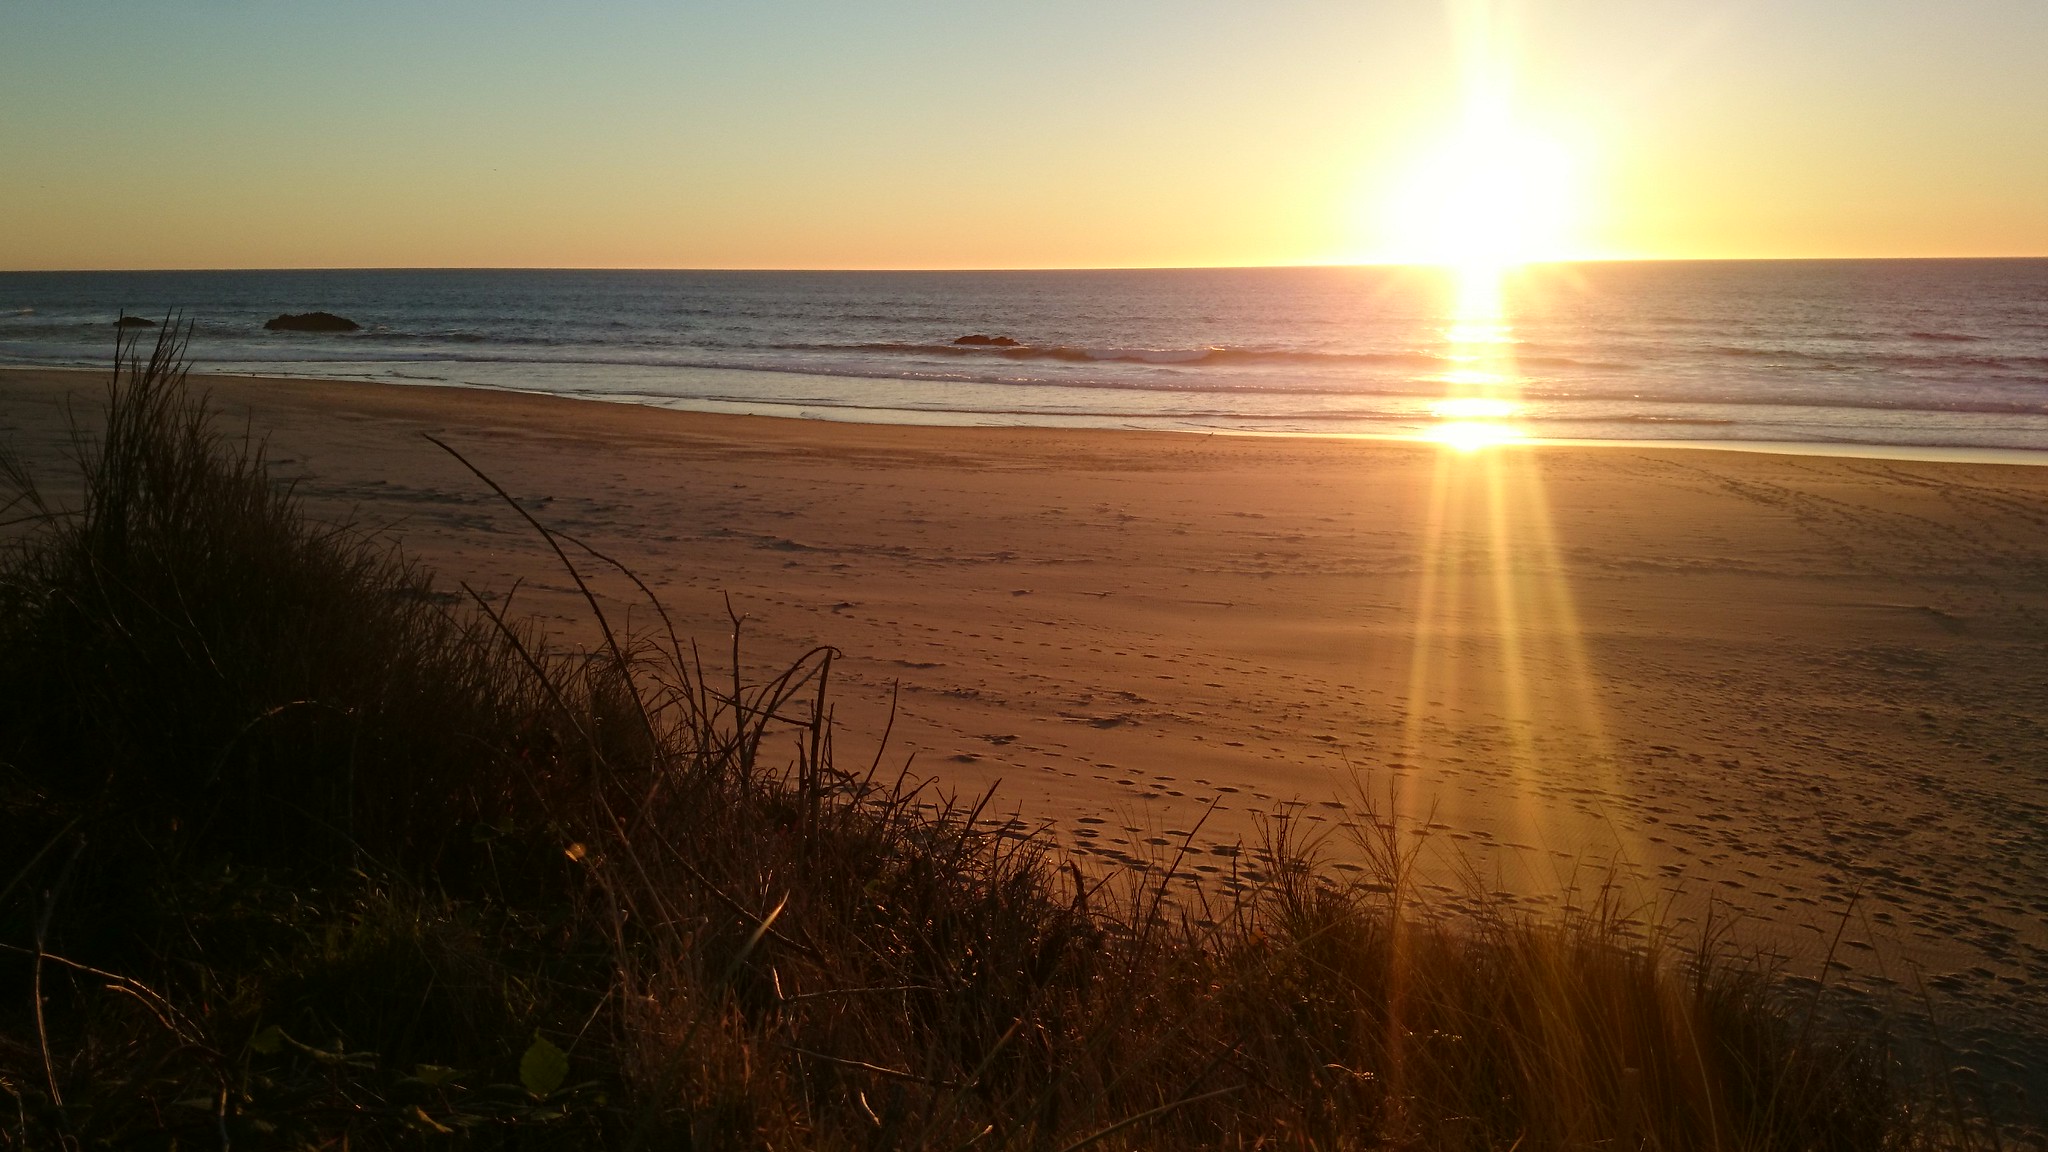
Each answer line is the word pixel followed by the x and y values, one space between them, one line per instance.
pixel 134 322
pixel 979 341
pixel 311 322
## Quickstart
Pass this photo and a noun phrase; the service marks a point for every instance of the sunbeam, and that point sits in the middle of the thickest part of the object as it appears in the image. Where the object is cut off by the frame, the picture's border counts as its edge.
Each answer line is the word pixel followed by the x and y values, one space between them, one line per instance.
pixel 1499 664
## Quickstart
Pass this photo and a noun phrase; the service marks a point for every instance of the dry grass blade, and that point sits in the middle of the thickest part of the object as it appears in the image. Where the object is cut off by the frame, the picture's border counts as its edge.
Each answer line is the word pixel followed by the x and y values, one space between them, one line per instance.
pixel 1098 1137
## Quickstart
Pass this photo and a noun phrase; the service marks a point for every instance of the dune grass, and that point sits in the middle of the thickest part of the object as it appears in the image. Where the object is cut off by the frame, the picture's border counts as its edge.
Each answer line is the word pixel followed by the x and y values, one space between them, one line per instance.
pixel 297 853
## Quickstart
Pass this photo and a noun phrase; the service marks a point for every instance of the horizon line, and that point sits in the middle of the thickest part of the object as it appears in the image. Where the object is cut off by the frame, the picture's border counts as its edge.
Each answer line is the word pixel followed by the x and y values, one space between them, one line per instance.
pixel 938 269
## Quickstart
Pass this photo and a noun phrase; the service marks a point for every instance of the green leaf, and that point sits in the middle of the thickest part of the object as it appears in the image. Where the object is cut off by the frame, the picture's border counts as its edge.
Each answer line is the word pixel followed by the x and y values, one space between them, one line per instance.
pixel 267 1041
pixel 433 1073
pixel 543 1068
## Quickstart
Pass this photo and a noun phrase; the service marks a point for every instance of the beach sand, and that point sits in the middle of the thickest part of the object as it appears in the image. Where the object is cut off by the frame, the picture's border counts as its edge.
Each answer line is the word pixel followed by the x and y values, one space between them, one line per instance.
pixel 1803 695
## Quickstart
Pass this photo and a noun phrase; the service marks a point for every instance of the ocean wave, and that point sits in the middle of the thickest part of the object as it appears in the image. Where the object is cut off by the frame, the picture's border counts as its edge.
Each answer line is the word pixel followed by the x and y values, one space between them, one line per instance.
pixel 1555 361
pixel 1231 355
pixel 330 358
pixel 1774 356
pixel 1874 360
pixel 2001 363
pixel 1082 354
pixel 1416 419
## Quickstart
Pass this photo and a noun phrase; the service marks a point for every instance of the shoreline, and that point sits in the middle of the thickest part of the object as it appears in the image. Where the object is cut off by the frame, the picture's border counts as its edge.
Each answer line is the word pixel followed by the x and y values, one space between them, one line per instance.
pixel 1799 690
pixel 927 418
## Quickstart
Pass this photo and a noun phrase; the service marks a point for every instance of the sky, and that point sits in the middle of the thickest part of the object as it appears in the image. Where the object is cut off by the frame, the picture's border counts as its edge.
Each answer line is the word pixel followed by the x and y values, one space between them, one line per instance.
pixel 972 134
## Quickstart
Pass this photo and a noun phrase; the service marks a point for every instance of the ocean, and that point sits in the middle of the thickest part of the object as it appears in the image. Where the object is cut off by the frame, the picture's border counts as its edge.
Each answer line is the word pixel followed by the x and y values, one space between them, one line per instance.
pixel 1921 356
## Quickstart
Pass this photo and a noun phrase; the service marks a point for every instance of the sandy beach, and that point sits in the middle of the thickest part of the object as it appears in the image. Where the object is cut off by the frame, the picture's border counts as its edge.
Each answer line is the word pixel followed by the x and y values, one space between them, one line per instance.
pixel 1801 694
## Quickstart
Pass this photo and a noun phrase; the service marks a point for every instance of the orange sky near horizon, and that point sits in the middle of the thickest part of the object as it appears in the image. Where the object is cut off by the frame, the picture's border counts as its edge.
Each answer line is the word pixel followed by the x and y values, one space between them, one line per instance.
pixel 967 135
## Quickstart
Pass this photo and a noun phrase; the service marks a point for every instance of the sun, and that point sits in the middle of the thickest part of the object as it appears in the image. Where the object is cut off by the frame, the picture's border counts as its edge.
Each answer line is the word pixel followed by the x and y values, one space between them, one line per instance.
pixel 1489 190
pixel 1490 196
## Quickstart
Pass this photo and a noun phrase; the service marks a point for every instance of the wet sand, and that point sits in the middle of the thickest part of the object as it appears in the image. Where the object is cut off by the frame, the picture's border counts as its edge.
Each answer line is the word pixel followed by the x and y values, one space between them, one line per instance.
pixel 1805 694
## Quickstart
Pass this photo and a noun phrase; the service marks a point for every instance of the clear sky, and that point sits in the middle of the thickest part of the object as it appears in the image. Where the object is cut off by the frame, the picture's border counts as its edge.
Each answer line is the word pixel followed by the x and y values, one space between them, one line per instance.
pixel 964 133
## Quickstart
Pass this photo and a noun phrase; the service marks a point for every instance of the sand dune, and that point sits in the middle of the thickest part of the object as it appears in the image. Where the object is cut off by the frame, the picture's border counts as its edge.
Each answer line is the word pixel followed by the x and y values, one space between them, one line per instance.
pixel 1808 693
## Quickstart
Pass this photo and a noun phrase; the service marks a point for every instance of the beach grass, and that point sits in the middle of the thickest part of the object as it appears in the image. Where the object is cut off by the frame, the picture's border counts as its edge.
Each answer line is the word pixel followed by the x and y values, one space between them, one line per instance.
pixel 302 850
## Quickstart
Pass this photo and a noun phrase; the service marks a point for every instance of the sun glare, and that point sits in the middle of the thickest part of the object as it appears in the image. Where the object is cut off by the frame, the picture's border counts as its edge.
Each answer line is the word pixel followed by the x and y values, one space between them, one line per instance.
pixel 1472 435
pixel 1494 613
pixel 1469 423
